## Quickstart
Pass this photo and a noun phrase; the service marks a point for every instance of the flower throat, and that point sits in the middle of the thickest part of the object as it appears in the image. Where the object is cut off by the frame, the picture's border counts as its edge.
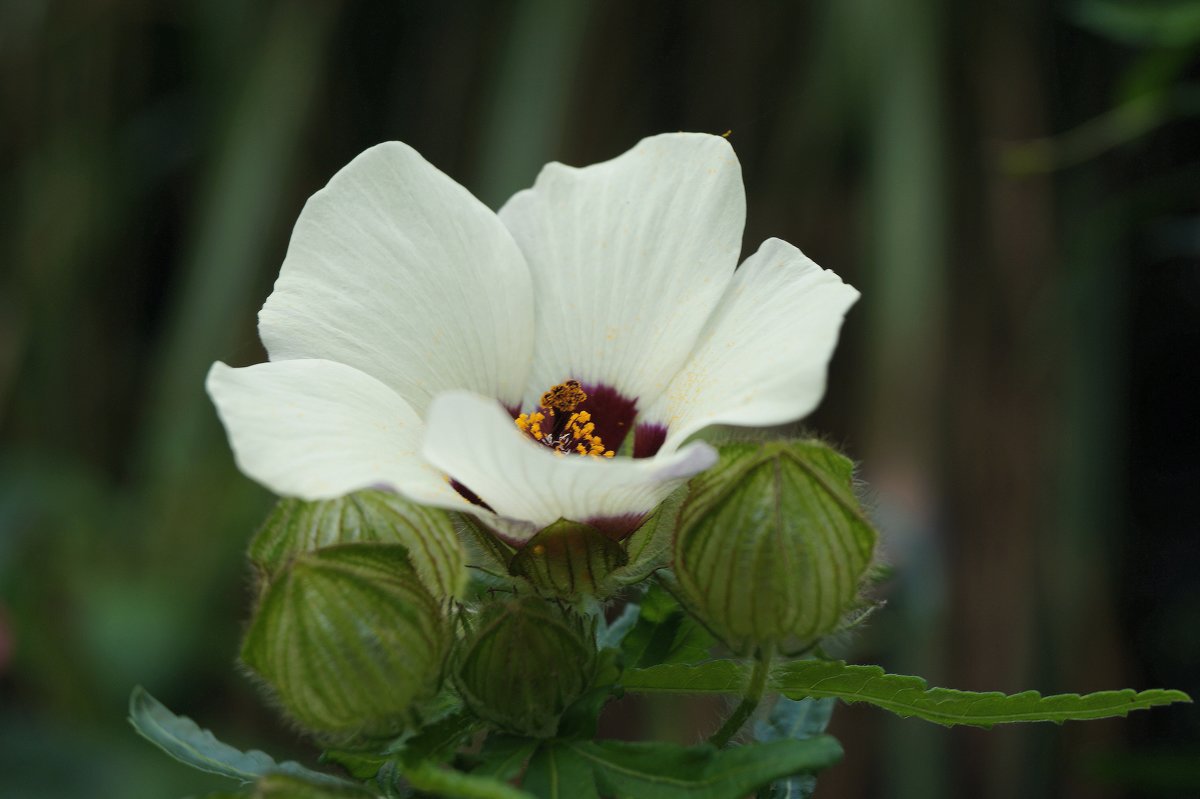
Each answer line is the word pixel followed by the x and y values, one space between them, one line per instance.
pixel 558 425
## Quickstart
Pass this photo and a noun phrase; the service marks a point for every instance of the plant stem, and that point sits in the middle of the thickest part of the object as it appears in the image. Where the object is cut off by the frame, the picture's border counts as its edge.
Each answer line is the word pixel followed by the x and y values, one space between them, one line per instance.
pixel 750 700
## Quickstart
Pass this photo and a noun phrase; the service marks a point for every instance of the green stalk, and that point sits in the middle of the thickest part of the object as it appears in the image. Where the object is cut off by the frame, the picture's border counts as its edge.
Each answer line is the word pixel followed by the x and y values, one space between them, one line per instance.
pixel 750 700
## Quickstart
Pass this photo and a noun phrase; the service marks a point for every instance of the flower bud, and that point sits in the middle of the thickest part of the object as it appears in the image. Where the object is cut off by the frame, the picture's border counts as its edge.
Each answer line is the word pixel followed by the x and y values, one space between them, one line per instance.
pixel 524 664
pixel 569 559
pixel 296 526
pixel 772 545
pixel 348 639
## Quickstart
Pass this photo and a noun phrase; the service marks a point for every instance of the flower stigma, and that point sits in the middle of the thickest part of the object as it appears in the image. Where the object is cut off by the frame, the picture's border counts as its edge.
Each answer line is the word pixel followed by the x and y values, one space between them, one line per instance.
pixel 558 425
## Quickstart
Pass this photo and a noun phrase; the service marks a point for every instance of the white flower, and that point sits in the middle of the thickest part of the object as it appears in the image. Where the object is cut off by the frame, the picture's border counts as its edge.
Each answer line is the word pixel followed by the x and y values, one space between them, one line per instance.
pixel 411 326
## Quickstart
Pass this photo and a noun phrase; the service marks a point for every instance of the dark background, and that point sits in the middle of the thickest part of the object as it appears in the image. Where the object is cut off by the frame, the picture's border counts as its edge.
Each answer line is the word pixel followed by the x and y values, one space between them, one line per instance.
pixel 1014 186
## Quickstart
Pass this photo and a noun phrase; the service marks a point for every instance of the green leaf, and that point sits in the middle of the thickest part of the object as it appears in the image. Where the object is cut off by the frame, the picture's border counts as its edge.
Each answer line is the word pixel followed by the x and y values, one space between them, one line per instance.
pixel 902 695
pixel 360 765
pixel 288 786
pixel 795 719
pixel 439 741
pixel 610 636
pixel 503 756
pixel 664 633
pixel 557 771
pixel 296 526
pixel 668 771
pixel 792 719
pixel 184 740
pixel 582 718
pixel 448 782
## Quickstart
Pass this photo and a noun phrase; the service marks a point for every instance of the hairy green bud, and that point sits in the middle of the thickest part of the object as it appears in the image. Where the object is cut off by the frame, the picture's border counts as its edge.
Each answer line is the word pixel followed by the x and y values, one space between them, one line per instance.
pixel 348 639
pixel 568 559
pixel 772 546
pixel 524 664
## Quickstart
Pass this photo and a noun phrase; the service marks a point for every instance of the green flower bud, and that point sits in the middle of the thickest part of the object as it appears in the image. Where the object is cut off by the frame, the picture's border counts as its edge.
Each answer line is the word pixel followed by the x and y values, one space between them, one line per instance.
pixel 524 664
pixel 771 544
pixel 568 560
pixel 349 639
pixel 296 526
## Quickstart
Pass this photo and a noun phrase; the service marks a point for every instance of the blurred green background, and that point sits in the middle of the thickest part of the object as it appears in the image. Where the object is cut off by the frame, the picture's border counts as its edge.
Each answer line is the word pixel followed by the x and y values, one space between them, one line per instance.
pixel 1014 186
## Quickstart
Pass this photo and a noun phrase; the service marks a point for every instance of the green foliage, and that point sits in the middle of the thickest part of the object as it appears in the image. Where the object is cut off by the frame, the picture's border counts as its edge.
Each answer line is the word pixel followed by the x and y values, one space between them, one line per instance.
pixel 439 781
pixel 664 633
pixel 569 560
pixel 503 756
pixel 184 740
pixel 295 526
pixel 558 771
pixel 348 639
pixel 902 695
pixel 792 719
pixel 668 771
pixel 289 786
pixel 771 544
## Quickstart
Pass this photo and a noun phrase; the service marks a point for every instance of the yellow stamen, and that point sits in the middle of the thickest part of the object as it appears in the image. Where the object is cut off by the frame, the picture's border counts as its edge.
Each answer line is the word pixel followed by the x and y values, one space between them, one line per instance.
pixel 578 433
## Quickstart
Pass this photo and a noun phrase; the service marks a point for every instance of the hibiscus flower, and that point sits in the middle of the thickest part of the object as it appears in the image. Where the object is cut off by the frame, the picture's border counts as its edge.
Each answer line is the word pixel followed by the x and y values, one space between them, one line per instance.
pixel 549 361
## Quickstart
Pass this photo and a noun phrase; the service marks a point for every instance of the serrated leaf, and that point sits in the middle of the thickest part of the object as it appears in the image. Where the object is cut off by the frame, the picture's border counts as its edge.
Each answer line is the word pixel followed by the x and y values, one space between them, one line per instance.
pixel 902 695
pixel 296 526
pixel 557 771
pixel 187 742
pixel 669 771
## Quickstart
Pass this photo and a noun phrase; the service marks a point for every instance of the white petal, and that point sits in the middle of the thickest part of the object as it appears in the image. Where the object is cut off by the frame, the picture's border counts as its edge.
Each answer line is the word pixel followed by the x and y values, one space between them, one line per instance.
pixel 763 355
pixel 474 441
pixel 318 429
pixel 628 258
pixel 396 270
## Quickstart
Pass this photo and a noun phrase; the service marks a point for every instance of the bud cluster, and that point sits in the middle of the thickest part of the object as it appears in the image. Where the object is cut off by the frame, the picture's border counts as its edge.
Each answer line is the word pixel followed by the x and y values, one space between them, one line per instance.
pixel 361 618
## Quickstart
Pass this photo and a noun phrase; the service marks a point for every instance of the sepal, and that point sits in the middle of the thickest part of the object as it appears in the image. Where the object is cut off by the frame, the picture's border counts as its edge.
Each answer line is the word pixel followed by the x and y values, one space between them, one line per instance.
pixel 772 545
pixel 524 664
pixel 349 640
pixel 296 526
pixel 569 560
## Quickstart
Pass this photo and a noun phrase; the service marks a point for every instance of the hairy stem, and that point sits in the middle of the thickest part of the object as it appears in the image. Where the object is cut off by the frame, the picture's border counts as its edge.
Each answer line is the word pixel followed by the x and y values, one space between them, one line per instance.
pixel 750 700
